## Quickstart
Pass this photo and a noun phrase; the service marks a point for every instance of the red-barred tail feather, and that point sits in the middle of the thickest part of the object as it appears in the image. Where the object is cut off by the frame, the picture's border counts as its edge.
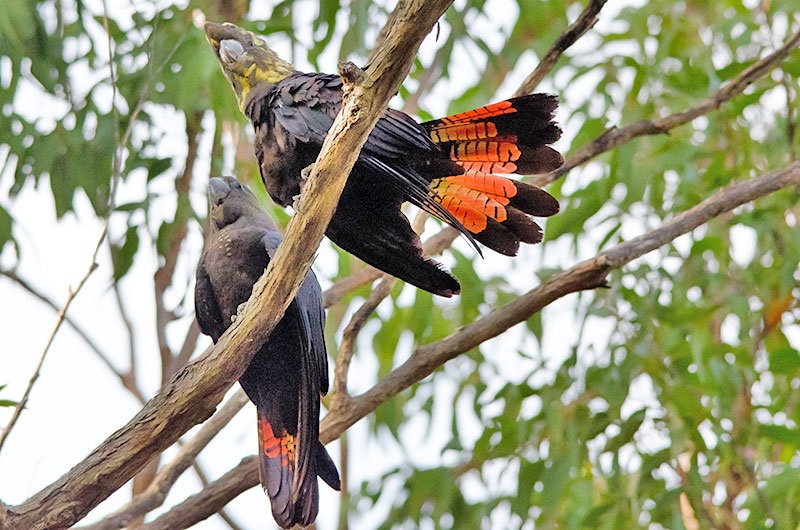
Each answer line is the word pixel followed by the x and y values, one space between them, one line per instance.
pixel 511 136
pixel 292 503
pixel 277 470
pixel 292 489
pixel 495 209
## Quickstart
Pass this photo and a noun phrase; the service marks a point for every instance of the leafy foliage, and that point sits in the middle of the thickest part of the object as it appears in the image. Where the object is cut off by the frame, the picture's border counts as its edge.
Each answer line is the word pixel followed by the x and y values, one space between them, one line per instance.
pixel 678 381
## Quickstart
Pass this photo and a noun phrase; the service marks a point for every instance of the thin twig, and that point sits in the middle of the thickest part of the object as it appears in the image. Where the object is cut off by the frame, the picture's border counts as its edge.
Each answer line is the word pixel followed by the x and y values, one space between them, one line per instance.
pixel 584 22
pixel 350 336
pixel 72 293
pixel 62 313
pixel 615 137
pixel 126 321
pixel 163 276
pixel 344 474
pixel 189 344
pixel 105 359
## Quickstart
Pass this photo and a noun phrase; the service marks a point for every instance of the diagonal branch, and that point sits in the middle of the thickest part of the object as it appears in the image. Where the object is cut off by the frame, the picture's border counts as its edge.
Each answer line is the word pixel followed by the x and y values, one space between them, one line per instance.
pixel 586 275
pixel 193 393
pixel 585 21
pixel 157 490
pixel 60 317
pixel 615 137
pixel 348 344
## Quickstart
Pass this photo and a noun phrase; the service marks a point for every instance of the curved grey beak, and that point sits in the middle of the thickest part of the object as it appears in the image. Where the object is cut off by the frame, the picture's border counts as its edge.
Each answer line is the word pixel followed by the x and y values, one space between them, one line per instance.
pixel 218 190
pixel 230 50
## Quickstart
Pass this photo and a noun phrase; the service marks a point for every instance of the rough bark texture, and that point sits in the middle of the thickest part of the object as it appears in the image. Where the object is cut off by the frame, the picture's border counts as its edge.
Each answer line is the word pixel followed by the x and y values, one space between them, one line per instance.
pixel 194 392
pixel 589 274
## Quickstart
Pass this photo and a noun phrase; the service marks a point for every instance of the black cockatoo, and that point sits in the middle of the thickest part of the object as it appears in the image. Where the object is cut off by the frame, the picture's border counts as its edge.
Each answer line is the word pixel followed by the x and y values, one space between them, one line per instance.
pixel 288 374
pixel 449 167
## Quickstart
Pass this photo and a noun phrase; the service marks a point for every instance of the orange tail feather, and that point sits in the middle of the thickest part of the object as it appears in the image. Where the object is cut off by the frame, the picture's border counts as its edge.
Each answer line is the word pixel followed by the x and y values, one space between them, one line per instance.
pixel 511 136
pixel 494 209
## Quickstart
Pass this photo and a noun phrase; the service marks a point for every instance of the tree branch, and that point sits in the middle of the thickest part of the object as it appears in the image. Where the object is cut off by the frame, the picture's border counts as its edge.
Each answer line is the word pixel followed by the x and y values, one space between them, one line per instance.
pixel 585 21
pixel 129 378
pixel 348 344
pixel 157 490
pixel 162 278
pixel 209 501
pixel 588 274
pixel 116 172
pixel 614 137
pixel 193 393
pixel 62 313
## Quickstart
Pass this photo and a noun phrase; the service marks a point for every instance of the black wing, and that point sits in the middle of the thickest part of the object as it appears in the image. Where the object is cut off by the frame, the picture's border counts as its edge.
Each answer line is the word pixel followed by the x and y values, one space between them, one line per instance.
pixel 209 316
pixel 305 105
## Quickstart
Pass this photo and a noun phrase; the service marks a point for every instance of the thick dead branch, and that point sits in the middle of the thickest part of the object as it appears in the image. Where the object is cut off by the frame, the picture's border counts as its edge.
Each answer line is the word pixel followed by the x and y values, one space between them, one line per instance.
pixel 588 274
pixel 615 137
pixel 194 392
pixel 585 21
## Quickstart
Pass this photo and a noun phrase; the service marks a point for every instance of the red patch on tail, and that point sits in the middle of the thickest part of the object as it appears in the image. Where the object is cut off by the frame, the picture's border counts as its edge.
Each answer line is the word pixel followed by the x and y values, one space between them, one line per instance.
pixel 471 204
pixel 495 109
pixel 283 445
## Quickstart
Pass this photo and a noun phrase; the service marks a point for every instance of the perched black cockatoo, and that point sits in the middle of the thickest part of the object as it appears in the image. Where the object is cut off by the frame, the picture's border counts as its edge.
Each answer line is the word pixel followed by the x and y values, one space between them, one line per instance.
pixel 290 371
pixel 449 167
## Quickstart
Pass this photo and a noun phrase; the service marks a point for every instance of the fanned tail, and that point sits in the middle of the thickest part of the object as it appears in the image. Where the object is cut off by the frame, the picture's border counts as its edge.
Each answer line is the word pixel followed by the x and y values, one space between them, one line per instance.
pixel 495 209
pixel 511 136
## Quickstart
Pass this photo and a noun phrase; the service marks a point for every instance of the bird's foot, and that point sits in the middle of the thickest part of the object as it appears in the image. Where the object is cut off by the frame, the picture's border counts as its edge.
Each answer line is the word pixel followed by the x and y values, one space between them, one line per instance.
pixel 296 202
pixel 239 311
pixel 306 172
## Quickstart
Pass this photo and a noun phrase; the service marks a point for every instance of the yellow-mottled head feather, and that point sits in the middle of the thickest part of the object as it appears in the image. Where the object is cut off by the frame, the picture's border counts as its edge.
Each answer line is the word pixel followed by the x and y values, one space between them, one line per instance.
pixel 246 60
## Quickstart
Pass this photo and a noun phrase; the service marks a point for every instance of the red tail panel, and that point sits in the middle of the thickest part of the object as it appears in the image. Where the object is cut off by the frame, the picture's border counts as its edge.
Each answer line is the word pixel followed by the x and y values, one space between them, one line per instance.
pixel 488 111
pixel 494 209
pixel 274 446
pixel 511 136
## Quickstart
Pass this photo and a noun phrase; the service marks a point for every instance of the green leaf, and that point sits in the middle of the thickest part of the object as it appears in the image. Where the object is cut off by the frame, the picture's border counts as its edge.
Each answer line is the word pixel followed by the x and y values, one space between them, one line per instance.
pixel 123 254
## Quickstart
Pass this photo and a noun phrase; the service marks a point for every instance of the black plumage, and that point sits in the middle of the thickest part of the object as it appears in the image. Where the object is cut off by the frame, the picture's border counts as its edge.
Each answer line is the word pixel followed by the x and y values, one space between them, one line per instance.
pixel 451 167
pixel 290 371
